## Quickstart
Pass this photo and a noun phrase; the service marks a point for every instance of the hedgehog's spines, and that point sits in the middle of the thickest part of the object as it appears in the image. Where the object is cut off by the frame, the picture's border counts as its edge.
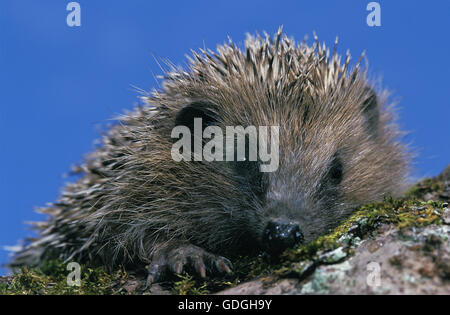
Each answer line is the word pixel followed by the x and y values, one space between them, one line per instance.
pixel 133 201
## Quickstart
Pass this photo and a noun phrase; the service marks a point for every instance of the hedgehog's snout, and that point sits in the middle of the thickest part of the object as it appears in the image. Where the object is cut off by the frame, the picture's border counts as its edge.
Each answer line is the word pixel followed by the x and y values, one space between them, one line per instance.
pixel 281 234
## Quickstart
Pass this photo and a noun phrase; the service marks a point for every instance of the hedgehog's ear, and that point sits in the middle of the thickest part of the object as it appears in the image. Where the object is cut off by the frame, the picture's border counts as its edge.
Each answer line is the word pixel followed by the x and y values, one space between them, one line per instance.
pixel 203 110
pixel 371 111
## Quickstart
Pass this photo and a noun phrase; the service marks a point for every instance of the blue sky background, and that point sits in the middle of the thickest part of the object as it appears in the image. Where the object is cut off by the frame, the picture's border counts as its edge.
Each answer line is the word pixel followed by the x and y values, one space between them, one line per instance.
pixel 59 84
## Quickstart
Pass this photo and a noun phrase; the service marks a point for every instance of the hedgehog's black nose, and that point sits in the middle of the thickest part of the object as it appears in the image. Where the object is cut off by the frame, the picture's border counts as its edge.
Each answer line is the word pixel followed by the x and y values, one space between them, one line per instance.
pixel 280 235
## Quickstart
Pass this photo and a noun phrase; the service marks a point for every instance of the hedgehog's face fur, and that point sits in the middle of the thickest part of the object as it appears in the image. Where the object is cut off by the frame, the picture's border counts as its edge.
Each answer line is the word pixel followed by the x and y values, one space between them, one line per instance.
pixel 337 147
pixel 136 205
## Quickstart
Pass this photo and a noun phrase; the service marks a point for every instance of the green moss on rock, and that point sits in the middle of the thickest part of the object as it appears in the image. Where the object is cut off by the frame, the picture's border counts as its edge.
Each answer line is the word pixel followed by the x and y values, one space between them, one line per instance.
pixel 51 279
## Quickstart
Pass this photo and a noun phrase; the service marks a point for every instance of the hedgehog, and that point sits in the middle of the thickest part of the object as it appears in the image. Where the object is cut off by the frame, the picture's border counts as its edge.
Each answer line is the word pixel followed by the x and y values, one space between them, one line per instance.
pixel 339 146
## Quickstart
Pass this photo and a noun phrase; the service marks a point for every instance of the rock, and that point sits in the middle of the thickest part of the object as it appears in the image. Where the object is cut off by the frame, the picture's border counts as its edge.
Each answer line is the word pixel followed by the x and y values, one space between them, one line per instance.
pixel 334 256
pixel 414 261
pixel 446 216
pixel 283 286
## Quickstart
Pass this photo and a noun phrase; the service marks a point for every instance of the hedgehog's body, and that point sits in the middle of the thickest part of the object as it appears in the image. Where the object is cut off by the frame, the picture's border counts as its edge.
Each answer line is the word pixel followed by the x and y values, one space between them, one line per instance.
pixel 337 150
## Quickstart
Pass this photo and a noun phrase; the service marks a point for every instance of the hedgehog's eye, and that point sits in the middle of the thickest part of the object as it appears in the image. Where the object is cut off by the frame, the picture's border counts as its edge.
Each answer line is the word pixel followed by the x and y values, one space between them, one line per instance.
pixel 243 163
pixel 250 175
pixel 247 168
pixel 335 172
pixel 329 185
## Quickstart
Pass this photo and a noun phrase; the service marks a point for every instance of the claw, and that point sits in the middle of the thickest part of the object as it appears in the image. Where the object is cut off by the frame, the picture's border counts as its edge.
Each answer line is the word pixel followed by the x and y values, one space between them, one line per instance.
pixel 187 257
pixel 149 281
pixel 200 268
pixel 224 265
pixel 178 269
pixel 155 272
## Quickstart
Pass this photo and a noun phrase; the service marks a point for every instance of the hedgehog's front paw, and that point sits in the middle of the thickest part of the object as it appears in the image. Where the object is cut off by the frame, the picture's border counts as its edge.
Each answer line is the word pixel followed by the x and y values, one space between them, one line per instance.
pixel 186 258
